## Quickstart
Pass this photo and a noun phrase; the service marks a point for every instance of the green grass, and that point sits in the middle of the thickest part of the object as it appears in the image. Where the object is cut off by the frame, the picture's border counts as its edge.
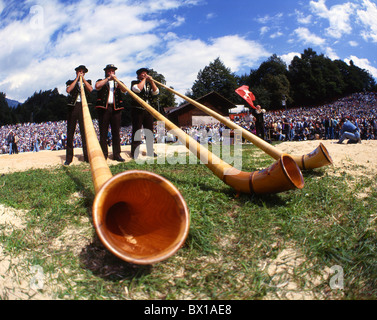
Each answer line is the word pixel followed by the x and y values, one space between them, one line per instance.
pixel 231 243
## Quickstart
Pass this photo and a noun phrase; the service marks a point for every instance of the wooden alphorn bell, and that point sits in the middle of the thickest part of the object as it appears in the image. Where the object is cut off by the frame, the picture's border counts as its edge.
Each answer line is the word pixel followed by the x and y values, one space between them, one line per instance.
pixel 139 216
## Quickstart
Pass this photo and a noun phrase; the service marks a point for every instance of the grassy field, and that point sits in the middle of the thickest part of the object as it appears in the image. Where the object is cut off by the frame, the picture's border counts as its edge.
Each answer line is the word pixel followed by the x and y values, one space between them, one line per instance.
pixel 314 243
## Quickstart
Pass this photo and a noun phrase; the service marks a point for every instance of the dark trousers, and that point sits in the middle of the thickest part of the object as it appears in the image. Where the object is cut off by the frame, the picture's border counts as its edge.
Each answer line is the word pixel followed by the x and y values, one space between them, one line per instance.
pixel 15 148
pixel 259 130
pixel 109 117
pixel 141 118
pixel 74 115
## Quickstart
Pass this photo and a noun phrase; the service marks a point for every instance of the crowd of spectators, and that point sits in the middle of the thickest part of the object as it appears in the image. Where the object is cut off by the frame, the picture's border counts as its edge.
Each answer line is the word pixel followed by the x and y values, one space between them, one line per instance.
pixel 300 124
pixel 34 137
pixel 324 122
pixel 297 124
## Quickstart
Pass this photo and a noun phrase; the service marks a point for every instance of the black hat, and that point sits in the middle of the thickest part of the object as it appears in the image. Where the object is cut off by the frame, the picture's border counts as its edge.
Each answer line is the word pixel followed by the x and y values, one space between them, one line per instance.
pixel 82 67
pixel 110 66
pixel 142 70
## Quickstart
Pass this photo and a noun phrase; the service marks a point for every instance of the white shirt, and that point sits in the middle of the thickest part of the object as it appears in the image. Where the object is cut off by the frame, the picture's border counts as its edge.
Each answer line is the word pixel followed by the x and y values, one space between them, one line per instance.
pixel 136 89
pixel 111 95
pixel 79 96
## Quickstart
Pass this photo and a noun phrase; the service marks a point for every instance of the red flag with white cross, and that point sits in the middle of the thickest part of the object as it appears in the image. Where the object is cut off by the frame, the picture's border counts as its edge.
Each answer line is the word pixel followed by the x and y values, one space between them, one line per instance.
pixel 246 94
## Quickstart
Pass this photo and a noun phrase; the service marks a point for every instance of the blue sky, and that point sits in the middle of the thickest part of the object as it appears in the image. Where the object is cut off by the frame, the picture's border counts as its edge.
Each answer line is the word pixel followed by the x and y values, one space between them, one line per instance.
pixel 42 41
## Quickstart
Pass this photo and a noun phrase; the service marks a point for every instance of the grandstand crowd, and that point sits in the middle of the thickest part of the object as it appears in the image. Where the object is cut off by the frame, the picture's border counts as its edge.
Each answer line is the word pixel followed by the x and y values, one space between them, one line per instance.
pixel 297 124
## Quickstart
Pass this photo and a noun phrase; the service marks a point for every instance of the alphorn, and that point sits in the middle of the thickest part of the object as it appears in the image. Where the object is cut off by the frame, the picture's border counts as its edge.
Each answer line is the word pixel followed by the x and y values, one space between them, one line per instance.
pixel 139 216
pixel 318 158
pixel 281 176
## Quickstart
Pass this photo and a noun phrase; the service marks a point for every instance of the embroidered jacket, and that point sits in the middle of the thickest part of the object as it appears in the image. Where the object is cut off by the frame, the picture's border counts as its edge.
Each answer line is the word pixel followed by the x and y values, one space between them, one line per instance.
pixel 74 94
pixel 103 97
pixel 146 94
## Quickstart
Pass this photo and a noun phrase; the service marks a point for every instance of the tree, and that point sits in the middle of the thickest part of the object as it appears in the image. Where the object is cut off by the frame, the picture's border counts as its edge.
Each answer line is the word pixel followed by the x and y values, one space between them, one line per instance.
pixel 278 88
pixel 5 111
pixel 215 77
pixel 270 83
pixel 359 79
pixel 166 98
pixel 302 80
pixel 43 106
pixel 316 79
pixel 274 66
pixel 333 82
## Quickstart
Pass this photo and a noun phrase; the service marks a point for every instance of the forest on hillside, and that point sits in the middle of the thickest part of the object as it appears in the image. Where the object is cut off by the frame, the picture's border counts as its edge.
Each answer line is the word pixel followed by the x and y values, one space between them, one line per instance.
pixel 310 80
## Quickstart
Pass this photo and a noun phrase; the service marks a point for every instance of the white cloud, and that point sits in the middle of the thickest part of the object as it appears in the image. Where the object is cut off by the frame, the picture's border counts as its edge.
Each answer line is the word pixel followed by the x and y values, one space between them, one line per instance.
pixel 271 24
pixel 287 58
pixel 185 57
pixel 2 6
pixel 39 49
pixel 270 19
pixel 338 17
pixel 368 18
pixel 264 30
pixel 363 64
pixel 264 20
pixel 29 56
pixel 276 35
pixel 308 38
pixel 330 52
pixel 44 56
pixel 302 19
pixel 178 21
pixel 163 5
pixel 237 52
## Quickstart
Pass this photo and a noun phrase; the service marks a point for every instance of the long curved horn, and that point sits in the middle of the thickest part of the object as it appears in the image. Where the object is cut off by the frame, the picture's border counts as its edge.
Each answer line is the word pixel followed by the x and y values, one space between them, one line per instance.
pixel 318 158
pixel 139 216
pixel 283 175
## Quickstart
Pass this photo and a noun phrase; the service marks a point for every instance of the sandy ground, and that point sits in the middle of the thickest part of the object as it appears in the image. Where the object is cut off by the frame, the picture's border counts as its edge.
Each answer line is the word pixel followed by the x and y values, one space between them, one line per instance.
pixel 343 156
pixel 19 282
pixel 47 159
pixel 356 159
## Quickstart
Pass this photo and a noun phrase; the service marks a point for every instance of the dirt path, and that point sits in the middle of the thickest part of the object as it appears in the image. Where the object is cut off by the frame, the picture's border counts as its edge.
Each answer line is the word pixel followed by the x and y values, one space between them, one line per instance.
pixel 344 156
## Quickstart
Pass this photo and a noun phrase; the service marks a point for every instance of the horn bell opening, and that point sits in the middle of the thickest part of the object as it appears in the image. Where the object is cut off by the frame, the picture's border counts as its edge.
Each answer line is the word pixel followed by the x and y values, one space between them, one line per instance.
pixel 293 171
pixel 141 217
pixel 281 176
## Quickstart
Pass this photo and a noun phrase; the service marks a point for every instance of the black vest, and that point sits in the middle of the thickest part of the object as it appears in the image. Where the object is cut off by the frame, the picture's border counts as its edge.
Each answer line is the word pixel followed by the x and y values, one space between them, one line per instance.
pixel 73 95
pixel 103 97
pixel 259 117
pixel 146 95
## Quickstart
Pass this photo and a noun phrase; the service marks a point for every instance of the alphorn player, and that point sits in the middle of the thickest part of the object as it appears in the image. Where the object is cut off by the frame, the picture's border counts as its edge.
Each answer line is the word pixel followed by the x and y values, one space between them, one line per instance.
pixel 146 89
pixel 258 114
pixel 75 112
pixel 109 107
